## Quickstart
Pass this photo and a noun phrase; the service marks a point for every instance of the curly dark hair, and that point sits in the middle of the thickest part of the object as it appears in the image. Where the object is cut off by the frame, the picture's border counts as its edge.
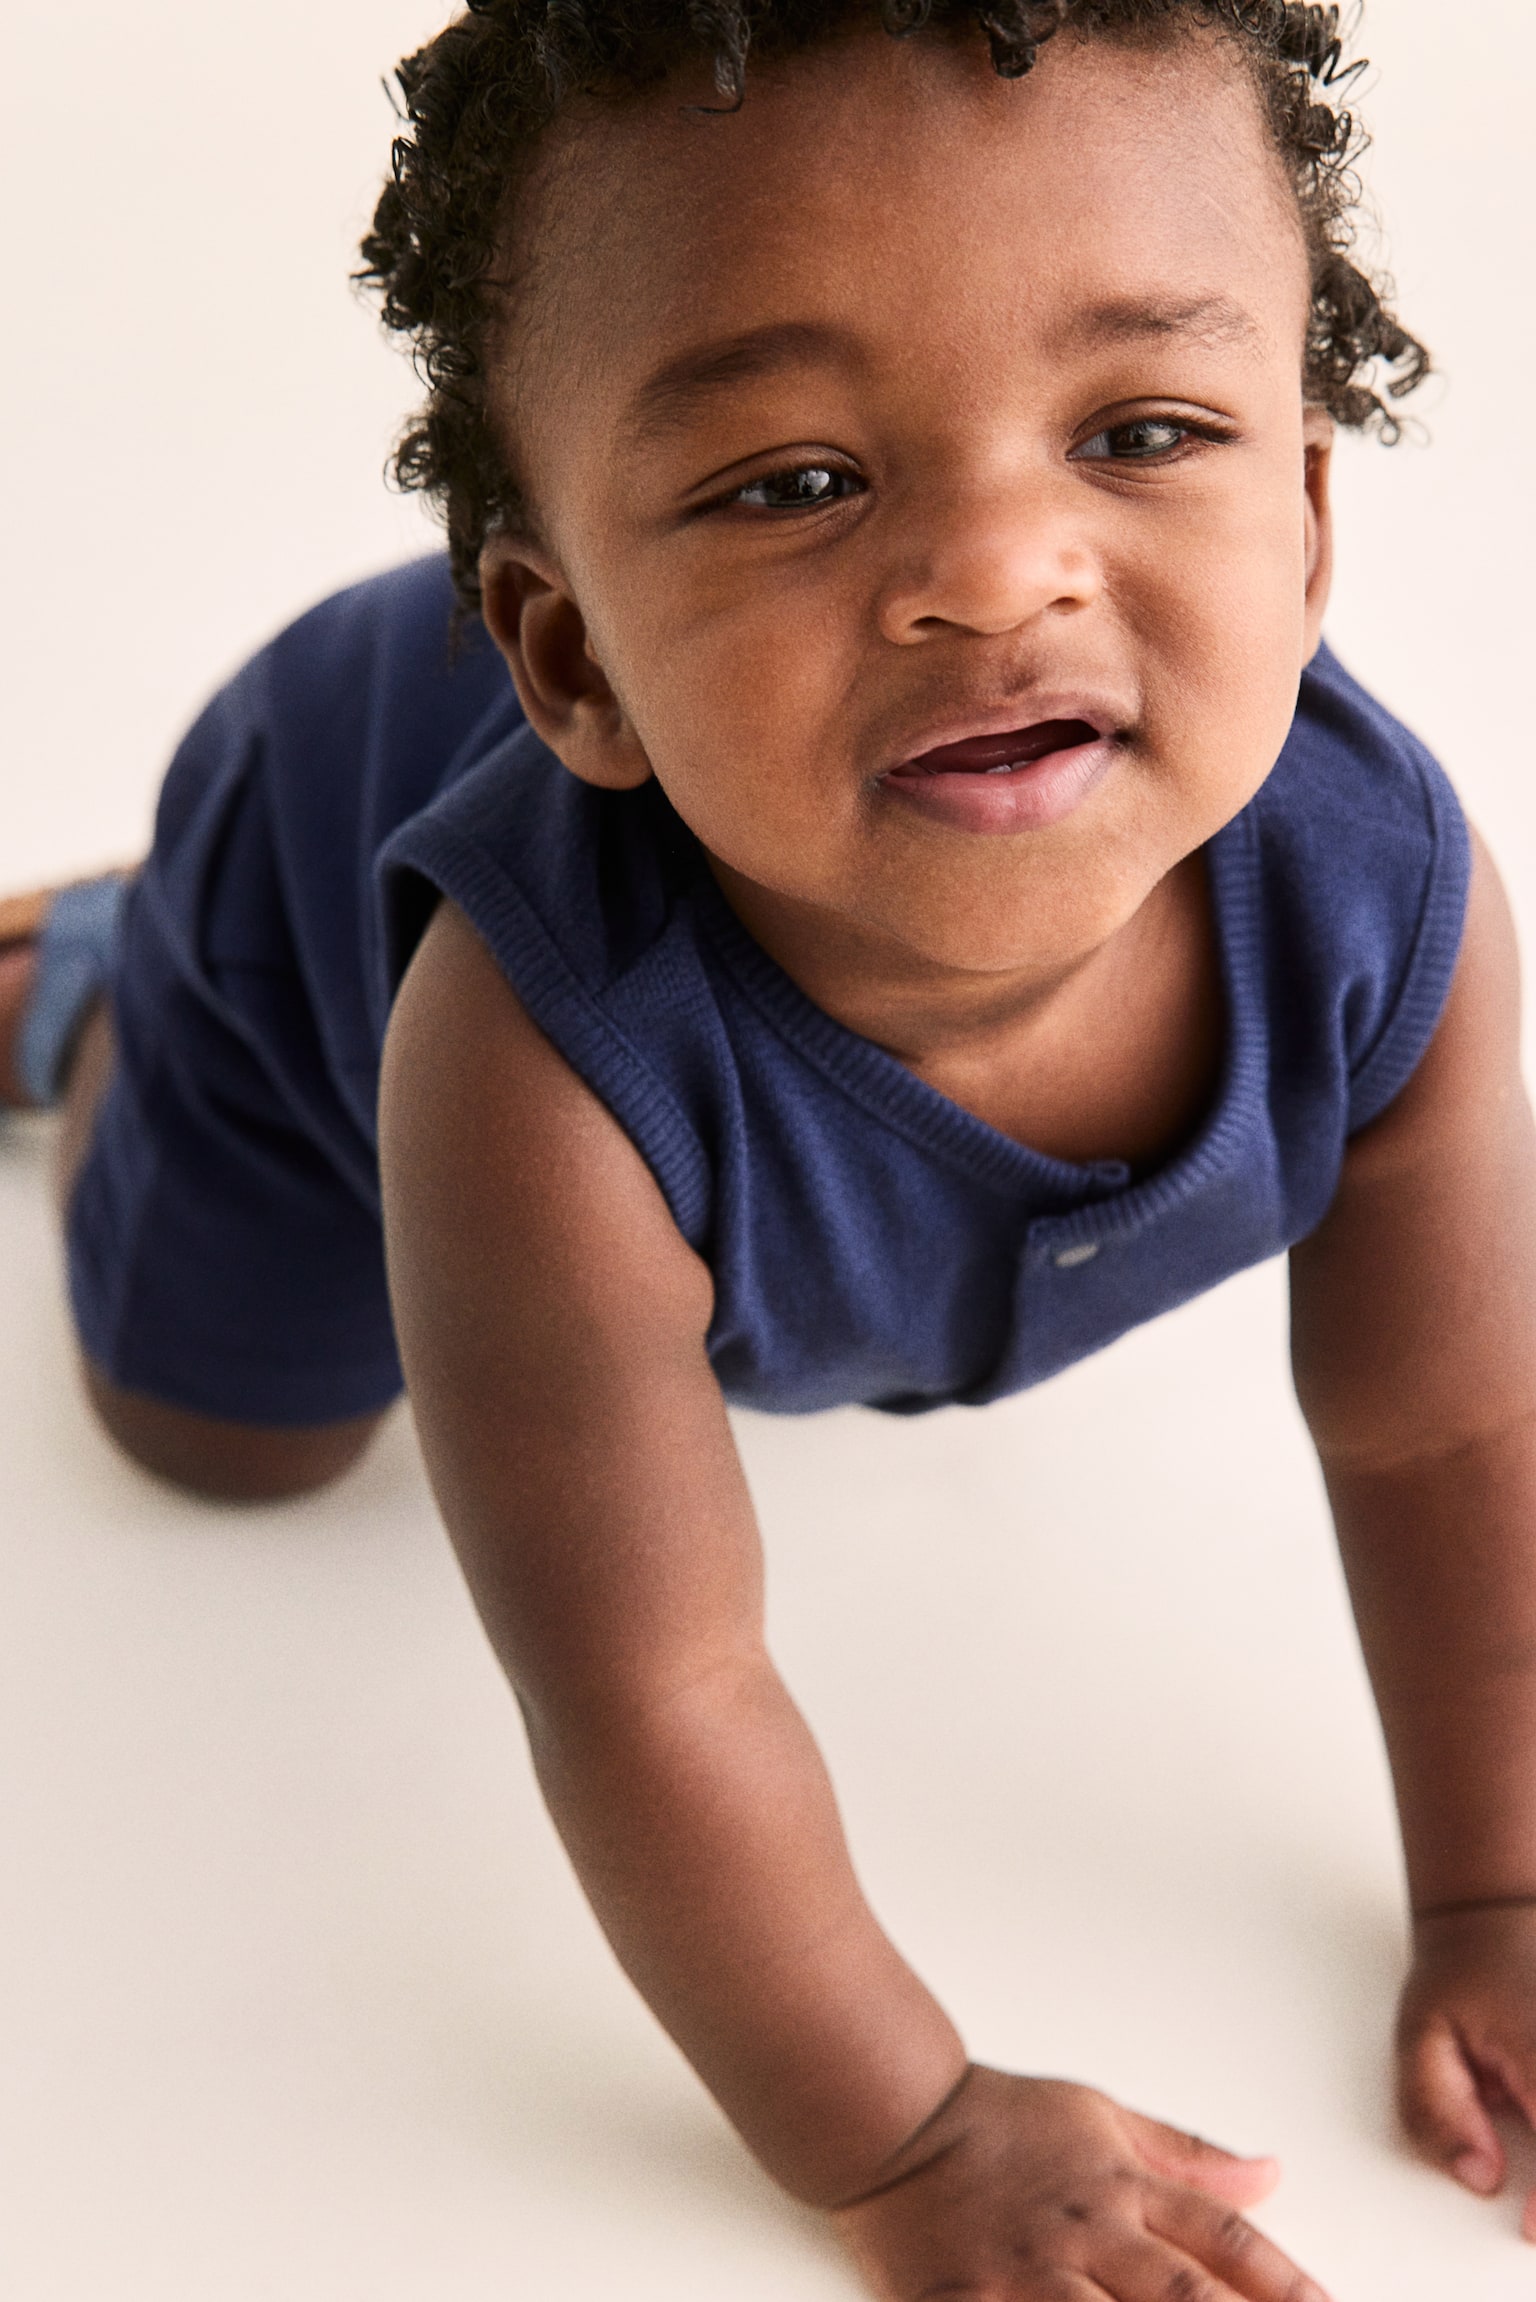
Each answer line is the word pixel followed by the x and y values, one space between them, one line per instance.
pixel 478 97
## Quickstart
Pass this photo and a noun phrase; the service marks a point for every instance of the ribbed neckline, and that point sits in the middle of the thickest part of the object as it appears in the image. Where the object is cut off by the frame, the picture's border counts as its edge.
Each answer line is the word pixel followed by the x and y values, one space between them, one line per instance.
pixel 1099 1199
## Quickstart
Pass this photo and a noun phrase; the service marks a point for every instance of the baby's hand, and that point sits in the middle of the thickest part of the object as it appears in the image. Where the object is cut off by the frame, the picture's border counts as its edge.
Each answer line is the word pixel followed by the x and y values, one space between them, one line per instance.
pixel 1031 2190
pixel 1466 2041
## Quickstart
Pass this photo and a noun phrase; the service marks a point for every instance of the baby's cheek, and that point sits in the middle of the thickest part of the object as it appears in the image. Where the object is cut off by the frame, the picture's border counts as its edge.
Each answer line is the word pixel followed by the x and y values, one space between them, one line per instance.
pixel 1227 664
pixel 722 671
pixel 769 819
pixel 749 732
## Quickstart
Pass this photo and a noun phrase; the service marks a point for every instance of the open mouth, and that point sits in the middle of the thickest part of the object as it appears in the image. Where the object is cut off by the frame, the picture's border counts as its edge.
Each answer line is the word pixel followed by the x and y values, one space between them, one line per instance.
pixel 1004 754
pixel 1018 781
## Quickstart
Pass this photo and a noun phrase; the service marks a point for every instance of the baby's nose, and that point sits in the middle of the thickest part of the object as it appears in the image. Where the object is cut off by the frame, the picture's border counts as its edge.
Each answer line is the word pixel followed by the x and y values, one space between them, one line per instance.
pixel 988 565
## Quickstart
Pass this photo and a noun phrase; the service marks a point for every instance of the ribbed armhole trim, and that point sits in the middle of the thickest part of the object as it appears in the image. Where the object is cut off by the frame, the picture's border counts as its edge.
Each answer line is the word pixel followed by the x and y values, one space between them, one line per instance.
pixel 1415 1013
pixel 563 1008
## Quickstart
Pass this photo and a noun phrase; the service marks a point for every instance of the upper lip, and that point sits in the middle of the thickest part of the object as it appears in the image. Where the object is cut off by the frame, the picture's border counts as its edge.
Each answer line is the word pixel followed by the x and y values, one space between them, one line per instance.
pixel 1014 717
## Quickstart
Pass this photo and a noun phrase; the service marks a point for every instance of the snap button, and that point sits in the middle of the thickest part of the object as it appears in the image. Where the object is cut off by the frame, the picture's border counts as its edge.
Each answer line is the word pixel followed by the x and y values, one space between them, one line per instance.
pixel 1070 1257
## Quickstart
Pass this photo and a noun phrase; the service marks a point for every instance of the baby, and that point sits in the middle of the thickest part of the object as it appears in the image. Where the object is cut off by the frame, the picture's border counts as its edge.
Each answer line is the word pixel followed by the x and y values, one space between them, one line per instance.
pixel 924 902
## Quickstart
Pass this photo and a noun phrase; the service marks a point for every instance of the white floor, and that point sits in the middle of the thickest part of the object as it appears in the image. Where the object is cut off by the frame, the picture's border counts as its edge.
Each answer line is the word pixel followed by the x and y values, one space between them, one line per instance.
pixel 297 2001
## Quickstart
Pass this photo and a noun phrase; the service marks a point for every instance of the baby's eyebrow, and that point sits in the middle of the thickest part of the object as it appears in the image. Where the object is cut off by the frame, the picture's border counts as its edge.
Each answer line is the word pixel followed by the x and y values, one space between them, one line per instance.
pixel 1214 319
pixel 670 393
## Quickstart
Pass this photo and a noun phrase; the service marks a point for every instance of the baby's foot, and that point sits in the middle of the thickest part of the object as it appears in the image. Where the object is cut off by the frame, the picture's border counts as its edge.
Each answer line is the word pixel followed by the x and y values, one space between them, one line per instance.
pixel 21 918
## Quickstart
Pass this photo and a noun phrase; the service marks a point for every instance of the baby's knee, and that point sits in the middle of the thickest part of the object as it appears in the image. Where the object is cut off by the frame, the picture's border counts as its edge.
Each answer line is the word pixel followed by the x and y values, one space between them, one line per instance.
pixel 226 1462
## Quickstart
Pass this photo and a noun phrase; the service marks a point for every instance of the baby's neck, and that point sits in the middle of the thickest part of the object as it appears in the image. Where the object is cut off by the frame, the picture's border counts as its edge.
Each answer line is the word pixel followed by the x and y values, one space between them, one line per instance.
pixel 1113 1054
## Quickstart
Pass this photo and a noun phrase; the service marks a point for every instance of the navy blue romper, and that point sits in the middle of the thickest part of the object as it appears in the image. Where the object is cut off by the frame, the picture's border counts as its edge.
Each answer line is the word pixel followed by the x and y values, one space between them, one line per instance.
pixel 869 1240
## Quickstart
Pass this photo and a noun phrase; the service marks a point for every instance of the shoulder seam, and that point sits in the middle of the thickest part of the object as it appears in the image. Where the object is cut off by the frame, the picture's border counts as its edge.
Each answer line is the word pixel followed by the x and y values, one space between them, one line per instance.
pixel 1424 982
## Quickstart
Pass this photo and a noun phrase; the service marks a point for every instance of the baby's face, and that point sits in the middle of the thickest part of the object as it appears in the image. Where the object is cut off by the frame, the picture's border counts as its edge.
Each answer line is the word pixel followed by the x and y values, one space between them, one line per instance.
pixel 926 493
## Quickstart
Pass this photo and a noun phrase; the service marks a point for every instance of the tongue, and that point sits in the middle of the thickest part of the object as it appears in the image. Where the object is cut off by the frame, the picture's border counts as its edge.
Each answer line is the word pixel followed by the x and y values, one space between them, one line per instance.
pixel 995 754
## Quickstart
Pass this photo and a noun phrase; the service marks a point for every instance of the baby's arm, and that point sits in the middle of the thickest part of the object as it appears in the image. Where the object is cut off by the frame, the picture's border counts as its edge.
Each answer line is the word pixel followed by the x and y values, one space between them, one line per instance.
pixel 553 1326
pixel 553 1321
pixel 1414 1339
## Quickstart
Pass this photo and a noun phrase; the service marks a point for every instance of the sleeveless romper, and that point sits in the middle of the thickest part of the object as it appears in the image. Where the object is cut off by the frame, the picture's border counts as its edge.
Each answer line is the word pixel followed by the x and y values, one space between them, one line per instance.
pixel 869 1240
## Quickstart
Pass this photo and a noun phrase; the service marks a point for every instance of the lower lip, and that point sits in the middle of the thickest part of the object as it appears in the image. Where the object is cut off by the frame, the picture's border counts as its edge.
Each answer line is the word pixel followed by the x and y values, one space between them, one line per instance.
pixel 1026 798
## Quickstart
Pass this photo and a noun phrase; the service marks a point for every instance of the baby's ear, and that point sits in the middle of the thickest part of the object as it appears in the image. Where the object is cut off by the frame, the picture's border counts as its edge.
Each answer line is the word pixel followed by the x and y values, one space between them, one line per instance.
pixel 532 616
pixel 1317 443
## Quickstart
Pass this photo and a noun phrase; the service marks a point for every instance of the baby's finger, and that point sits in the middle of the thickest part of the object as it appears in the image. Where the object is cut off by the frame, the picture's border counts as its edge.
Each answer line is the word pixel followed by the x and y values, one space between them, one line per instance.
pixel 1442 2110
pixel 1146 2269
pixel 1202 2165
pixel 1245 2260
pixel 1516 2090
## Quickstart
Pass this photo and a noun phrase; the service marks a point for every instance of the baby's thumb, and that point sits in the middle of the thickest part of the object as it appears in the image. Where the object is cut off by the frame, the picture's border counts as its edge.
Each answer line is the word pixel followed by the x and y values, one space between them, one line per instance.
pixel 1185 2158
pixel 1443 2112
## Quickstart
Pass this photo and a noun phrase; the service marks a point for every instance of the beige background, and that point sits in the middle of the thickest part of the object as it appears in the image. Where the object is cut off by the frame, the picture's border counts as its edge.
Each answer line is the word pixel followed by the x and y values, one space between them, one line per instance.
pixel 296 1998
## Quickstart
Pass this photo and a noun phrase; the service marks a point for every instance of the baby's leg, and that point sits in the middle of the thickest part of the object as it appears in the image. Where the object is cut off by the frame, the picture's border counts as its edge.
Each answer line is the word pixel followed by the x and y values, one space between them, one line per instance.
pixel 228 1286
pixel 226 1461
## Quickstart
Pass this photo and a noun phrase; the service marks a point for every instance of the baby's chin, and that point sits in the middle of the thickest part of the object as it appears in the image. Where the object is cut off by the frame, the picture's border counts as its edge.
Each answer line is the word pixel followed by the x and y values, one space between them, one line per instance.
pixel 1035 940
pixel 998 908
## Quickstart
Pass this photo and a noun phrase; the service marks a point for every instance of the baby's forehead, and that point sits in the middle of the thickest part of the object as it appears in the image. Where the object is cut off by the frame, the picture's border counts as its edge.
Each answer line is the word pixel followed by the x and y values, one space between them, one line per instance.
pixel 544 253
pixel 901 193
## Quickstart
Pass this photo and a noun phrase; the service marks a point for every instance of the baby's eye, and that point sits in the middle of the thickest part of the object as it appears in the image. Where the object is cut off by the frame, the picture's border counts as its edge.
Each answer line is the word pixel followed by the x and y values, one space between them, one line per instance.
pixel 1141 442
pixel 802 487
